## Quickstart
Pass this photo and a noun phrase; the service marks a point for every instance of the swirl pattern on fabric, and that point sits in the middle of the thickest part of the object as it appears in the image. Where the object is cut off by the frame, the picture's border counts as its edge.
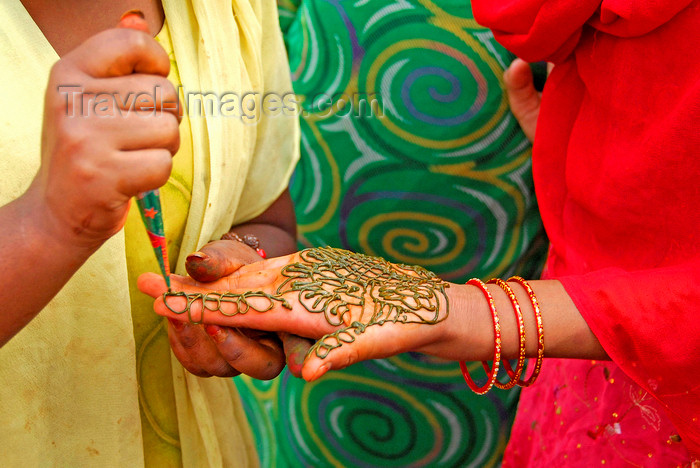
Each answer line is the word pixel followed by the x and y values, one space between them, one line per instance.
pixel 409 152
pixel 371 415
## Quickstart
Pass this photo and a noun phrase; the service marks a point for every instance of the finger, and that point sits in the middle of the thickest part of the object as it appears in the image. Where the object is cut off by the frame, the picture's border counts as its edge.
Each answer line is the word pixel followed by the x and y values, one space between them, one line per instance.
pixel 355 344
pixel 218 259
pixel 336 351
pixel 124 94
pixel 140 171
pixel 151 284
pixel 119 52
pixel 197 352
pixel 251 307
pixel 250 274
pixel 523 97
pixel 154 285
pixel 295 350
pixel 261 358
pixel 333 352
pixel 518 75
pixel 180 352
pixel 254 292
pixel 143 130
pixel 243 308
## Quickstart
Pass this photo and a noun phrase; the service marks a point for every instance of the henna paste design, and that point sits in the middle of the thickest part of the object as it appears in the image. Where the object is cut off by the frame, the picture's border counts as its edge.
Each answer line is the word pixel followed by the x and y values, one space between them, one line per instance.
pixel 352 290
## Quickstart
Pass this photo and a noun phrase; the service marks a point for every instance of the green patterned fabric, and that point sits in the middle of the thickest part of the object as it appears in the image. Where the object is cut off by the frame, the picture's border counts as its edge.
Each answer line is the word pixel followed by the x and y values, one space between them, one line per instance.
pixel 438 175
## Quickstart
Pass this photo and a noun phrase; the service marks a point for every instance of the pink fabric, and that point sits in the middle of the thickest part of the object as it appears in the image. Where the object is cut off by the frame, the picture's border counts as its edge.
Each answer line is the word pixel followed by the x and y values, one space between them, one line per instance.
pixel 617 172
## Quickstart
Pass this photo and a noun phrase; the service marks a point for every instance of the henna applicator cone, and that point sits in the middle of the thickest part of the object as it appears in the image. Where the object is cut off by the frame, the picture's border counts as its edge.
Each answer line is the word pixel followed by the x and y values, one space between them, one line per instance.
pixel 152 215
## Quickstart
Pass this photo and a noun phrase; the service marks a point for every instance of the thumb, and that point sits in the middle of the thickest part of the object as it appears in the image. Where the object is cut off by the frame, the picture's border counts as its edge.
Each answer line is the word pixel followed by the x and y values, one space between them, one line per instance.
pixel 218 259
pixel 295 349
pixel 522 95
pixel 354 344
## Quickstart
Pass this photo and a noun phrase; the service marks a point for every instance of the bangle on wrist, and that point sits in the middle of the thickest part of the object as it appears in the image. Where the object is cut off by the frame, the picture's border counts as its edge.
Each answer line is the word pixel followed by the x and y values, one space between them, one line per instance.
pixel 492 373
pixel 513 374
pixel 540 330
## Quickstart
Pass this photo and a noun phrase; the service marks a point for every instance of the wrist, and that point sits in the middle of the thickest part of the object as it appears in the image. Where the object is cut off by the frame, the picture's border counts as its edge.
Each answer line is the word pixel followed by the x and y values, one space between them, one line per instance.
pixel 40 226
pixel 247 239
pixel 59 226
pixel 501 325
pixel 467 332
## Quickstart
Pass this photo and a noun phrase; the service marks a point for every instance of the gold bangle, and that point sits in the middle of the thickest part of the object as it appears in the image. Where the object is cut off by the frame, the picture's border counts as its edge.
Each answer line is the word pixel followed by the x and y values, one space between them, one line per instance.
pixel 540 330
pixel 514 375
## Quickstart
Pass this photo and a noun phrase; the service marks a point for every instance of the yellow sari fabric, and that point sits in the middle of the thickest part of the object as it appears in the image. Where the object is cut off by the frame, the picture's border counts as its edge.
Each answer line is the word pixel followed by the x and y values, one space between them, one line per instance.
pixel 71 378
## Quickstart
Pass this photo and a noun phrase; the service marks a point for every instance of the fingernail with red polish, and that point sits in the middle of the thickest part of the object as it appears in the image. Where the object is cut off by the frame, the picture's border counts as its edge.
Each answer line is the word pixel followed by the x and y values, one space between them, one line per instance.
pixel 298 358
pixel 194 256
pixel 295 361
pixel 217 333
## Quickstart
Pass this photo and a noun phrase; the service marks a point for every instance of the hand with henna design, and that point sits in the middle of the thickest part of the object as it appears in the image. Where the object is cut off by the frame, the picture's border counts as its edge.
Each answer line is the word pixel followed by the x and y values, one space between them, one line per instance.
pixel 339 297
pixel 359 308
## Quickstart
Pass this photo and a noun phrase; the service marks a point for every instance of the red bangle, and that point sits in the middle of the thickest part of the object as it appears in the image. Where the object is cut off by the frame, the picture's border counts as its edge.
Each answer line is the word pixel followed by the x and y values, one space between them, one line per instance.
pixel 514 375
pixel 492 373
pixel 540 330
pixel 248 239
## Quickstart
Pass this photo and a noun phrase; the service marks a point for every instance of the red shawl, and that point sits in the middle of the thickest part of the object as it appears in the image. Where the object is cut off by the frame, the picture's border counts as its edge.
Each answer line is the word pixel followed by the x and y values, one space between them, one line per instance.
pixel 617 173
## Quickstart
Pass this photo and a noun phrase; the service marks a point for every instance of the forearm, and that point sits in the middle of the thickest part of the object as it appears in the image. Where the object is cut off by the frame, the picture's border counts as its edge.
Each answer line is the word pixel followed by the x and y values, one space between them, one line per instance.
pixel 470 332
pixel 35 262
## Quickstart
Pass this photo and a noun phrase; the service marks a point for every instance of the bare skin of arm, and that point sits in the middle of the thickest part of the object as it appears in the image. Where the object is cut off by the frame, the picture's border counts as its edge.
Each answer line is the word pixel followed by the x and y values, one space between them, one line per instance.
pixel 566 333
pixel 27 236
pixel 354 322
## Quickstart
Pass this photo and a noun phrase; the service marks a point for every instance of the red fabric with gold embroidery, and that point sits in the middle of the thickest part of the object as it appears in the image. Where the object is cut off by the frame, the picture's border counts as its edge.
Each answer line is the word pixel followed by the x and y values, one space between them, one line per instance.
pixel 617 173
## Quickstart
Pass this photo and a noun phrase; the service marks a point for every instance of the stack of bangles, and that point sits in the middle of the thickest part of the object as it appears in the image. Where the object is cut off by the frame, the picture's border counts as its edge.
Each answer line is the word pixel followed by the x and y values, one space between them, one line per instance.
pixel 248 239
pixel 514 375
